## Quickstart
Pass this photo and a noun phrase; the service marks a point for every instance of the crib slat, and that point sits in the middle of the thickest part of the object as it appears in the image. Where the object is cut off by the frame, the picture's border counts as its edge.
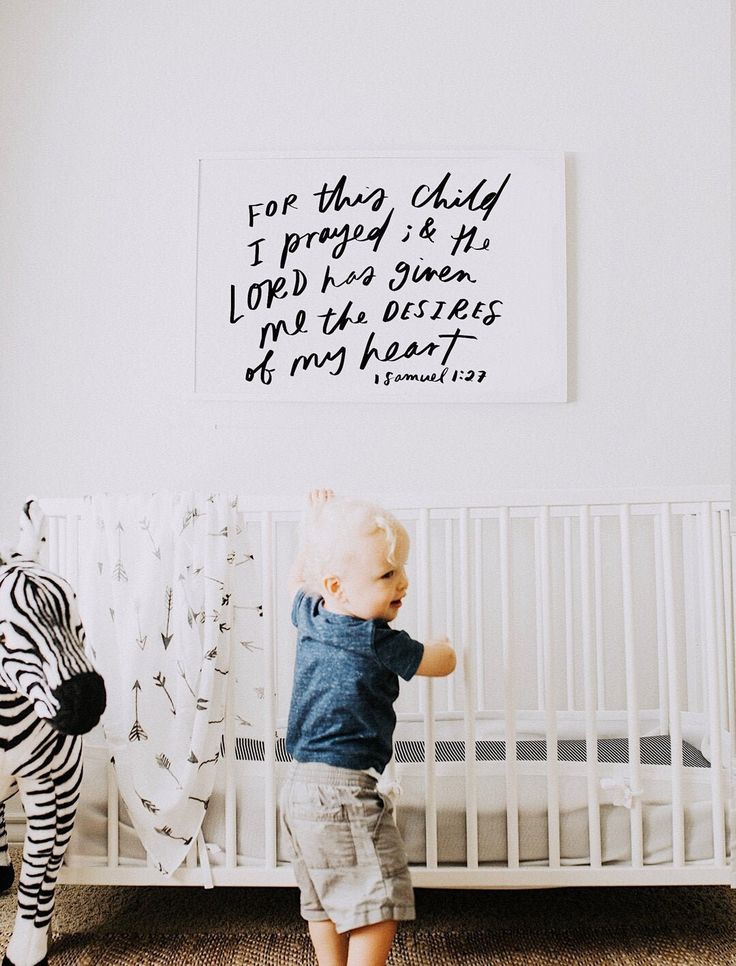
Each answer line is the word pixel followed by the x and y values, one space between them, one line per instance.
pixel 53 544
pixel 480 666
pixel 719 628
pixel 569 635
pixel 728 623
pixel 450 580
pixel 511 769
pixel 600 661
pixel 591 731
pixel 231 801
pixel 469 650
pixel 113 819
pixel 230 791
pixel 632 692
pixel 675 726
pixel 430 811
pixel 424 623
pixel 662 689
pixel 713 690
pixel 539 607
pixel 694 700
pixel 548 649
pixel 731 593
pixel 269 637
pixel 71 563
pixel 61 536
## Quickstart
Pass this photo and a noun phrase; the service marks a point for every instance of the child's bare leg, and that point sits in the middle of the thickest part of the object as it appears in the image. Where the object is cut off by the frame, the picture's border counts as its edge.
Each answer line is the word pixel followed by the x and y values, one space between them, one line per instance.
pixel 331 947
pixel 370 945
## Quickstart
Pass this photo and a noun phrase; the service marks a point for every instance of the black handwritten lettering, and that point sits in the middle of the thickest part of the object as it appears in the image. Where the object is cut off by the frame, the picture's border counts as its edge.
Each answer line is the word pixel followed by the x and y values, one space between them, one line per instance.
pixel 272 208
pixel 490 319
pixel 313 360
pixel 233 317
pixel 466 237
pixel 457 334
pixel 261 370
pixel 274 288
pixel 365 277
pixel 428 231
pixel 334 197
pixel 274 329
pixel 344 319
pixel 439 309
pixel 424 195
pixel 395 351
pixel 414 377
pixel 257 260
pixel 419 273
pixel 346 233
pixel 400 342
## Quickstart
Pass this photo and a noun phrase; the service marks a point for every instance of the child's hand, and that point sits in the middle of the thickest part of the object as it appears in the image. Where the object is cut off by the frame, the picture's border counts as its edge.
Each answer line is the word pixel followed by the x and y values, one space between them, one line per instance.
pixel 316 500
pixel 439 658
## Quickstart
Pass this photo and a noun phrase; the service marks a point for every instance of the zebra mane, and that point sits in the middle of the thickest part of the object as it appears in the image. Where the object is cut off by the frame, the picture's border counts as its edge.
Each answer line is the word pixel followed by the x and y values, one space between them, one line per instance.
pixel 31 535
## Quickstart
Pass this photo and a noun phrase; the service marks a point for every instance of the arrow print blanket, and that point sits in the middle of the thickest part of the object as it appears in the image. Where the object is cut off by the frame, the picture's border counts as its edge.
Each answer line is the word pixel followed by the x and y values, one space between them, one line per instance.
pixel 166 586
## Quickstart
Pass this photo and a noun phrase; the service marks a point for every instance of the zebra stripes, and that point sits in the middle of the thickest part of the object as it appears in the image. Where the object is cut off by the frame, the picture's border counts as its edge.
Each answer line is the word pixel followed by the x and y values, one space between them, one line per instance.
pixel 49 696
pixel 41 641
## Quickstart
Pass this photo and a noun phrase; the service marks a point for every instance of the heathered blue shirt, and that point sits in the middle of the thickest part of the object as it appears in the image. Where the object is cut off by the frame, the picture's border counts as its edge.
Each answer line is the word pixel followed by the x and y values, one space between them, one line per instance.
pixel 346 679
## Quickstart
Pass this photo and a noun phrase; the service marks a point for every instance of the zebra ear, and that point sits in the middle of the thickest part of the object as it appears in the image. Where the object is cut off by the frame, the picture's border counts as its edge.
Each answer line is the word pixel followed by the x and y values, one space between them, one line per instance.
pixel 32 530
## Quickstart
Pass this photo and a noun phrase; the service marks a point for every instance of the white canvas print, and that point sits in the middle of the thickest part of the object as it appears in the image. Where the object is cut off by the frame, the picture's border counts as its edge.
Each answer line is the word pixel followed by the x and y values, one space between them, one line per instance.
pixel 382 279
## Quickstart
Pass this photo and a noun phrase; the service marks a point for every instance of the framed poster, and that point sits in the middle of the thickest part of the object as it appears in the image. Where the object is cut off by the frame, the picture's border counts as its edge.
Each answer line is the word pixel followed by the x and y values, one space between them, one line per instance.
pixel 382 279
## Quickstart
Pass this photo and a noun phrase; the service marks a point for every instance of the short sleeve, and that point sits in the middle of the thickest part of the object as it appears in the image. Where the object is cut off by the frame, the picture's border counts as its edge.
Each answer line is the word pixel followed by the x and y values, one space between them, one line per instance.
pixel 397 651
pixel 300 595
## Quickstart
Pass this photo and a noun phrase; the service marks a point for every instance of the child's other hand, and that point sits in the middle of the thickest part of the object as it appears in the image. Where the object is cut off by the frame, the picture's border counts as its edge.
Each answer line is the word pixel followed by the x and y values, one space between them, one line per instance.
pixel 317 497
pixel 439 658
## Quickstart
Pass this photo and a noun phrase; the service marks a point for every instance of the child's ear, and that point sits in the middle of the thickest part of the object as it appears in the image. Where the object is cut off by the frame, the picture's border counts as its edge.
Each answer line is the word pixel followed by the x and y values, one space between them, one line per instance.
pixel 332 586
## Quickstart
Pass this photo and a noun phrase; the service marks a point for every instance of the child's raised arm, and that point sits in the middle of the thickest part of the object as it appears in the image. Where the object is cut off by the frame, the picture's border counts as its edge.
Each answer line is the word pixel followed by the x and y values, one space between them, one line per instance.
pixel 316 499
pixel 439 659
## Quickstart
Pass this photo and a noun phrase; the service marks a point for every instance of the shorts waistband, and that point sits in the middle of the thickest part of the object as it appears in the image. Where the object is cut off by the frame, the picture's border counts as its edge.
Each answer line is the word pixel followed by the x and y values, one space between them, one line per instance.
pixel 323 774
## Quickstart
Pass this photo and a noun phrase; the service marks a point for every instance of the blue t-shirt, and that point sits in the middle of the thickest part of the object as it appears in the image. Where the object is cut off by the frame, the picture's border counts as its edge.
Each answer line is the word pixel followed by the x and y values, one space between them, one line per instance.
pixel 346 679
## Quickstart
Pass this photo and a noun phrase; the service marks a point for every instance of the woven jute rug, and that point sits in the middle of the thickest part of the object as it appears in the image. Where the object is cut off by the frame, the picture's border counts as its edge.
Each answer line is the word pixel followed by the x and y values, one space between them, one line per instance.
pixel 173 926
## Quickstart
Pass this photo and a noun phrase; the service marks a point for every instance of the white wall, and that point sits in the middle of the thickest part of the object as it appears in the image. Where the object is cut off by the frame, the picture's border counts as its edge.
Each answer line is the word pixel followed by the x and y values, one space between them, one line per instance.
pixel 105 108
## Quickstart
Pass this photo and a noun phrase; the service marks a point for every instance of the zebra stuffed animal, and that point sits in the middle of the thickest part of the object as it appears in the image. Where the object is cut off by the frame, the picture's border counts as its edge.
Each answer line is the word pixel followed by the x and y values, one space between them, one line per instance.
pixel 49 696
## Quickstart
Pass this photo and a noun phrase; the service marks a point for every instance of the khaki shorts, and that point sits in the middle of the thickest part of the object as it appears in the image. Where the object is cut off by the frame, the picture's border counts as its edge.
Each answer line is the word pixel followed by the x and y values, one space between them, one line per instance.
pixel 347 854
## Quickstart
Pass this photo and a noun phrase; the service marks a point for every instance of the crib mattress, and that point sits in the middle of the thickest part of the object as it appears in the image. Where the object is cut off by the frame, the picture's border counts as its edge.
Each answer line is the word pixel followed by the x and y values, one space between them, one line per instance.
pixel 89 841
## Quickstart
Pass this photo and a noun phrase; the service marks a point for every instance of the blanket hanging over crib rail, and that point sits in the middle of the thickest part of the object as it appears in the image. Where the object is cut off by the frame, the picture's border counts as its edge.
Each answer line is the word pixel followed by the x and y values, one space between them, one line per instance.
pixel 163 580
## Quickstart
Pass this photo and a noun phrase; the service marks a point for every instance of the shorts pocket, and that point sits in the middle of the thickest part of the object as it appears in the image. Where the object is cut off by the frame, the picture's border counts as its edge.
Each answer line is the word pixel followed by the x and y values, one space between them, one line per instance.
pixel 320 828
pixel 381 826
pixel 389 845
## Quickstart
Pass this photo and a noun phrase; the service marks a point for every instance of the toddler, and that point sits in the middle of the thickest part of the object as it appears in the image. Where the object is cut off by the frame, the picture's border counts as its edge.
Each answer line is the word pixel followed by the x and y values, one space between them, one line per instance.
pixel 348 857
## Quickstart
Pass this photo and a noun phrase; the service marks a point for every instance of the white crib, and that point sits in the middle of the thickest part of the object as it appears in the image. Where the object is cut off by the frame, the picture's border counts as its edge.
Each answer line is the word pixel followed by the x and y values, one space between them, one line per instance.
pixel 596 686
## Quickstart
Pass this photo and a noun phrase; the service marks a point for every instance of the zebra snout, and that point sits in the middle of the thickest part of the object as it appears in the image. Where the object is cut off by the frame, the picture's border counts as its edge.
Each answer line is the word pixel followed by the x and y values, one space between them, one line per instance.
pixel 81 703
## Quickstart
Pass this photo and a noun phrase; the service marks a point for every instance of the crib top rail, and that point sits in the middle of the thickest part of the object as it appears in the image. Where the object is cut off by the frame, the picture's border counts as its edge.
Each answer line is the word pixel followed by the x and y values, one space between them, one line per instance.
pixel 522 503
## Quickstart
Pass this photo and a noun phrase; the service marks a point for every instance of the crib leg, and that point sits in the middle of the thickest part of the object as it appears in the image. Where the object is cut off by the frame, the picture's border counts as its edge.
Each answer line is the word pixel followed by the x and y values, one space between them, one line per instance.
pixel 6 866
pixel 50 812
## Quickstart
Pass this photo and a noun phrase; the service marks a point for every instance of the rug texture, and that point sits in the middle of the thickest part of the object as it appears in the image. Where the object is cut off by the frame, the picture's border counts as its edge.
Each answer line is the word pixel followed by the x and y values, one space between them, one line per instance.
pixel 171 926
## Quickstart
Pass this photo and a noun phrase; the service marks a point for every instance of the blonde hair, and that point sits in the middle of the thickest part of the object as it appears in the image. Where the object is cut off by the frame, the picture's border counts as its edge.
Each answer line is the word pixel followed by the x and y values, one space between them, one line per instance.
pixel 327 537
